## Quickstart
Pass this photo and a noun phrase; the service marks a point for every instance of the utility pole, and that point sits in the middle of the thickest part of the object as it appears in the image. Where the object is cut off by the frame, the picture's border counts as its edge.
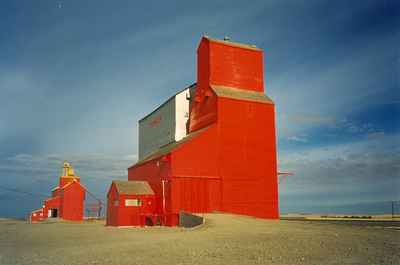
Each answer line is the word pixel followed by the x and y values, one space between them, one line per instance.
pixel 392 210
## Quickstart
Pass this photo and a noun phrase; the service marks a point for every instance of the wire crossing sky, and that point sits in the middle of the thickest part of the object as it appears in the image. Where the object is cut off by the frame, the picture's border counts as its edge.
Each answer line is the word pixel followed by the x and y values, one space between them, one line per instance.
pixel 75 76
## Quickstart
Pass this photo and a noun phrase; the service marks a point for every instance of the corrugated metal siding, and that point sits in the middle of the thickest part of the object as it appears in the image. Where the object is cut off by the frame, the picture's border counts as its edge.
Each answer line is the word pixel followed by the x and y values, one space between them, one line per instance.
pixel 164 125
pixel 157 129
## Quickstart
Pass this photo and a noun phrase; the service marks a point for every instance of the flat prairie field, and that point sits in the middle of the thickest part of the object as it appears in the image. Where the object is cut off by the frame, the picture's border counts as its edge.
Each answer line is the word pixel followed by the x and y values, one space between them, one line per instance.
pixel 223 239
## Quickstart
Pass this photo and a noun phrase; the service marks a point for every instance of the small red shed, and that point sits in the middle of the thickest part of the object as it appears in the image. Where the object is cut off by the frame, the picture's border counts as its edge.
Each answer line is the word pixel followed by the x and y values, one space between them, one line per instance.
pixel 130 203
pixel 37 215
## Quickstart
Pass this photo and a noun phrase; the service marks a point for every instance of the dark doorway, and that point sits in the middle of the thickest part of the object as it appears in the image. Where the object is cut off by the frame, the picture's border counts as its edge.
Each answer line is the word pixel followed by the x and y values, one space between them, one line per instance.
pixel 149 222
pixel 54 213
pixel 158 220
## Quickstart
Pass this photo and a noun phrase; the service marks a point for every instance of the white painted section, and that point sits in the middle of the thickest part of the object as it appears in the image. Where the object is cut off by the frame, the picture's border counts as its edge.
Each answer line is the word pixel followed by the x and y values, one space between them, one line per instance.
pixel 164 125
pixel 181 114
pixel 49 213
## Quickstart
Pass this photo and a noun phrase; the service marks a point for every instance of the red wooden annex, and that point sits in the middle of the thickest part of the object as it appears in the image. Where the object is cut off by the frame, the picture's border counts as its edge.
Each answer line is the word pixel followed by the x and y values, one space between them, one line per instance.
pixel 130 203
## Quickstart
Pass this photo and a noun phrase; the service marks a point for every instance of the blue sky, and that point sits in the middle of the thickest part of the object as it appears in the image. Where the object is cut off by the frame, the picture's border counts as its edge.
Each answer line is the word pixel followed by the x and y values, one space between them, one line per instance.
pixel 75 76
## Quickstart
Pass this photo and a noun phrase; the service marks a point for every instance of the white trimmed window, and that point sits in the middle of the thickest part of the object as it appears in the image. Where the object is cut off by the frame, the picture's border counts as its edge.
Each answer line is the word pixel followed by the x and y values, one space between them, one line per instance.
pixel 133 202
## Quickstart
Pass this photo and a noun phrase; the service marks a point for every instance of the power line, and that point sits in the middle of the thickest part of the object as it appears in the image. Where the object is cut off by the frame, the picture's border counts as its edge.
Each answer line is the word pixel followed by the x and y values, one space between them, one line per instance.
pixel 23 192
pixel 39 194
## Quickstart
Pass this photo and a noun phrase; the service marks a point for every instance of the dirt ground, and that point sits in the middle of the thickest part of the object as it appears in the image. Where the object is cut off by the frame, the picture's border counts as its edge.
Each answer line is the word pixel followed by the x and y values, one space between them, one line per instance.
pixel 223 239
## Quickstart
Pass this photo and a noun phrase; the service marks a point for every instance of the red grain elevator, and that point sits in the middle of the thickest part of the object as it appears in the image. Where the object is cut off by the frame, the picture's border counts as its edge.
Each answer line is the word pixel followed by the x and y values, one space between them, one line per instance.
pixel 66 201
pixel 225 157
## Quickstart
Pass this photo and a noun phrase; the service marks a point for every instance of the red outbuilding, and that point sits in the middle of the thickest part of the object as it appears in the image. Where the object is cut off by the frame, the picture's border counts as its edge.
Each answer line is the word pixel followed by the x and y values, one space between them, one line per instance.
pixel 37 215
pixel 130 203
pixel 212 146
pixel 67 200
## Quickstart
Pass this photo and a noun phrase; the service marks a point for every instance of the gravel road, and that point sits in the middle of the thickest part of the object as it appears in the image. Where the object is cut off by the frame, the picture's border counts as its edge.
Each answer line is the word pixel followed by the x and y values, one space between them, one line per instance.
pixel 223 239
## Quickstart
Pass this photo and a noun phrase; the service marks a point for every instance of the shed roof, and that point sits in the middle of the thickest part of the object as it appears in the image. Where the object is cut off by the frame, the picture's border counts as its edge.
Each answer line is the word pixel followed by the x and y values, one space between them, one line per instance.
pixel 37 210
pixel 234 44
pixel 169 99
pixel 52 198
pixel 241 94
pixel 73 182
pixel 166 149
pixel 133 187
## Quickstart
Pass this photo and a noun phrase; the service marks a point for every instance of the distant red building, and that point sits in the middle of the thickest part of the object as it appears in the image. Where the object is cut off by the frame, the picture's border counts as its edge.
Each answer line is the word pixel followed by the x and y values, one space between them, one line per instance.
pixel 211 147
pixel 67 200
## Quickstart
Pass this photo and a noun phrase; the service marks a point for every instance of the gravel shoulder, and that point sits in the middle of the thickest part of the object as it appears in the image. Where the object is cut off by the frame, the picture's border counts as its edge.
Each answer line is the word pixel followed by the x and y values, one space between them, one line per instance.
pixel 223 239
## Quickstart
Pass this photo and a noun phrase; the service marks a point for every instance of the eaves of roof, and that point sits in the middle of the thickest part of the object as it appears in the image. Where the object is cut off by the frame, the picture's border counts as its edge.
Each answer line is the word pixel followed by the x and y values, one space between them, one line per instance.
pixel 241 94
pixel 168 148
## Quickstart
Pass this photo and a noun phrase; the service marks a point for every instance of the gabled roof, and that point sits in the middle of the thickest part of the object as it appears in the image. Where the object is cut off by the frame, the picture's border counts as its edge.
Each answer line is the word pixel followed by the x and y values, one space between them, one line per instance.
pixel 166 149
pixel 165 102
pixel 72 182
pixel 37 210
pixel 133 187
pixel 233 44
pixel 52 198
pixel 241 94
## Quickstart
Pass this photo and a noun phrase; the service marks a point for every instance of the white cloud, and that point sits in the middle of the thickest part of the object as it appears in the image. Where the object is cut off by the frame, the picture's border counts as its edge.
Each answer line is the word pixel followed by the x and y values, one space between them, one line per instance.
pixel 94 166
pixel 301 139
pixel 310 118
pixel 376 135
pixel 367 170
pixel 307 96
